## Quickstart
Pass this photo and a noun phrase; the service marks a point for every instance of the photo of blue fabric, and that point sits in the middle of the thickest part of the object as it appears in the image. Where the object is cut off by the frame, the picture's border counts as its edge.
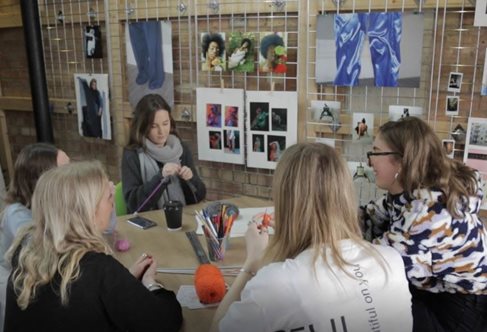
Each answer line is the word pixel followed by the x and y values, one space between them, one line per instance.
pixel 146 40
pixel 384 32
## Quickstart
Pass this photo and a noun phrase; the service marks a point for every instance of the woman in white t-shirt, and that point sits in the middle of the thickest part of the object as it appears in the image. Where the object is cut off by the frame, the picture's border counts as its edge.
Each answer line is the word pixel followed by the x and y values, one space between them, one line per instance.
pixel 317 273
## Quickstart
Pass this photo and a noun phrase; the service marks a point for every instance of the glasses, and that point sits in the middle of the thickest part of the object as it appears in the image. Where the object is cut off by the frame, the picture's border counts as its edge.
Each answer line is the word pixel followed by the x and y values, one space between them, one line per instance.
pixel 372 153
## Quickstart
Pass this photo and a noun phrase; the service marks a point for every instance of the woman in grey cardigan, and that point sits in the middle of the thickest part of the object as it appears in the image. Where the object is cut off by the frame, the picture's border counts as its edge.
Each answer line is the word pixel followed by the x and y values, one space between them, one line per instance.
pixel 156 165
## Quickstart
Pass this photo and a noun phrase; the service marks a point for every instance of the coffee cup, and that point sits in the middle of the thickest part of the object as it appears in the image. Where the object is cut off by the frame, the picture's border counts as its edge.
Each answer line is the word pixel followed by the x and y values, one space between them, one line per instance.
pixel 173 211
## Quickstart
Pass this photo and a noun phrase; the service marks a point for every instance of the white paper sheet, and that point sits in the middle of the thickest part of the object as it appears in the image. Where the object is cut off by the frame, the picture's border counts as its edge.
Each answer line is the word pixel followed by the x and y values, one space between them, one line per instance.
pixel 187 298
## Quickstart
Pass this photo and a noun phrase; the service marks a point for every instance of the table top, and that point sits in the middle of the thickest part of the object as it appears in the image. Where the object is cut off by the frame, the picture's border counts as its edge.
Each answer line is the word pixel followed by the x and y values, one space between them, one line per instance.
pixel 172 249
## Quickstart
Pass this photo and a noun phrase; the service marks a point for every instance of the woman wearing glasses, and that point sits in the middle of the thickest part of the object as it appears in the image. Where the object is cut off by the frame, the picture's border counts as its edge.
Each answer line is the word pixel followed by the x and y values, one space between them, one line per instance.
pixel 430 216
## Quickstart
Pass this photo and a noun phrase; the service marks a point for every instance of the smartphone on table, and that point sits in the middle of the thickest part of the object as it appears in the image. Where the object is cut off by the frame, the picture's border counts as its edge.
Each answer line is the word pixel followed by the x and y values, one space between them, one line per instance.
pixel 141 222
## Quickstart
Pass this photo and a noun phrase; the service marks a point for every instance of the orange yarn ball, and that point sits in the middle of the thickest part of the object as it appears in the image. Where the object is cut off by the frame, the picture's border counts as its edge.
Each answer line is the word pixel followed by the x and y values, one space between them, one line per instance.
pixel 209 284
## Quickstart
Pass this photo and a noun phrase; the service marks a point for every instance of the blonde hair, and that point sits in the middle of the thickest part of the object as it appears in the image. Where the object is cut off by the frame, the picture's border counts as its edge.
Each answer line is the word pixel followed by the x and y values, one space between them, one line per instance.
pixel 424 163
pixel 63 211
pixel 315 205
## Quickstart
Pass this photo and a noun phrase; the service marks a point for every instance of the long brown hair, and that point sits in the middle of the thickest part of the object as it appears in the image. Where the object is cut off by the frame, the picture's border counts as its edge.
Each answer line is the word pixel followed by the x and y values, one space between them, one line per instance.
pixel 315 204
pixel 32 161
pixel 144 117
pixel 424 163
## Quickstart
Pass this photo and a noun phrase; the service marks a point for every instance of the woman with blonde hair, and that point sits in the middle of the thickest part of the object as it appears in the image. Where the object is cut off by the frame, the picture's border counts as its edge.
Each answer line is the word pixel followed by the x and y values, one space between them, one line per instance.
pixel 63 275
pixel 317 273
pixel 430 216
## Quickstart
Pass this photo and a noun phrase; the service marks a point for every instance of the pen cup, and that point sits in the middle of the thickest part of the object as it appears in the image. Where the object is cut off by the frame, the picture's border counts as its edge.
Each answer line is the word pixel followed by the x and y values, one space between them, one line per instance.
pixel 216 248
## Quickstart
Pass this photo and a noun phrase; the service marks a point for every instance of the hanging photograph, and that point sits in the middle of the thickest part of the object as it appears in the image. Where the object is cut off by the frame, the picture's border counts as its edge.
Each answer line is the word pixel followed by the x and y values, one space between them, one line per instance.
pixel 273 52
pixel 241 52
pixel 272 121
pixel 328 112
pixel 397 112
pixel 231 141
pixel 455 82
pixel 259 116
pixel 363 181
pixel 149 60
pixel 258 143
pixel 476 150
pixel 364 49
pixel 449 146
pixel 220 124
pixel 480 19
pixel 231 116
pixel 92 105
pixel 483 89
pixel 213 51
pixel 363 127
pixel 214 115
pixel 93 47
pixel 452 105
pixel 215 140
pixel 279 119
pixel 275 146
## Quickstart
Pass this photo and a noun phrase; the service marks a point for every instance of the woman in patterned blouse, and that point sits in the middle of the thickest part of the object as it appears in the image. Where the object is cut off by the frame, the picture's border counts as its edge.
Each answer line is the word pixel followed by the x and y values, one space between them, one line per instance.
pixel 430 215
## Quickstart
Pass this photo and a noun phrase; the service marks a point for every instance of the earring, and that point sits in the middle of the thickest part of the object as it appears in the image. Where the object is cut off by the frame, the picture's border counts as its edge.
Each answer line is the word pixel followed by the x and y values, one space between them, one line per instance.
pixel 396 175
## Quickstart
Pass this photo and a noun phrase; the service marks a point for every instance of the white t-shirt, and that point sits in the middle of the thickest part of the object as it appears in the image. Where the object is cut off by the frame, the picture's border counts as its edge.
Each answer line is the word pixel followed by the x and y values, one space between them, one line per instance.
pixel 287 296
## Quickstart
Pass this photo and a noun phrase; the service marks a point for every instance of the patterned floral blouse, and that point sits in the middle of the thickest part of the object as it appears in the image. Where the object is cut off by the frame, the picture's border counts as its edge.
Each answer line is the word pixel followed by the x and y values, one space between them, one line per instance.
pixel 440 253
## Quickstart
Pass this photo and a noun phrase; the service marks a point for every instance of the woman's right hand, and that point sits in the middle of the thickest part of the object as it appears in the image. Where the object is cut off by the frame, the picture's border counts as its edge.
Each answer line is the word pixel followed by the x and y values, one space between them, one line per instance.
pixel 170 169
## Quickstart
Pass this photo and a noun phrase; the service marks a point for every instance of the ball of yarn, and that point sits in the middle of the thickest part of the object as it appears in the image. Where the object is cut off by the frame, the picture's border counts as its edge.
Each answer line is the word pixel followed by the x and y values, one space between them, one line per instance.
pixel 209 284
pixel 122 245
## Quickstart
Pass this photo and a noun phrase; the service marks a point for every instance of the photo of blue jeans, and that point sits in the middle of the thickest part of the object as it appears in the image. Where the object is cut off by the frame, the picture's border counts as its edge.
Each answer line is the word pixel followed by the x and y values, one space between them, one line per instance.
pixel 384 32
pixel 146 40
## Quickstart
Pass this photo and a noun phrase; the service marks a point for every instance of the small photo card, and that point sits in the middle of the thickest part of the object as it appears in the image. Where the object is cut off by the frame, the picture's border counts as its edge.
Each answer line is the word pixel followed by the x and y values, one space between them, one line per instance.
pixel 455 82
pixel 452 103
pixel 449 146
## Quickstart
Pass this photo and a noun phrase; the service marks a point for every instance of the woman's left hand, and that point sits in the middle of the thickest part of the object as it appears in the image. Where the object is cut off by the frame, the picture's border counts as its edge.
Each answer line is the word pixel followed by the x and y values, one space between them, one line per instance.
pixel 185 173
pixel 141 265
pixel 256 241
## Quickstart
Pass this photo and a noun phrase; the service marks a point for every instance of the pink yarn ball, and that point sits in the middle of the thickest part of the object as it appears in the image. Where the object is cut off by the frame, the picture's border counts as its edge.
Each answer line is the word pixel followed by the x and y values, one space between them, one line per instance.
pixel 122 245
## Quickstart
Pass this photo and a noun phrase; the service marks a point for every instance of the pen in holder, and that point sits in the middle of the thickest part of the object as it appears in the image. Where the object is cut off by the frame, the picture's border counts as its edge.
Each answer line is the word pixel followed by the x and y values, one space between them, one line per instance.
pixel 217 227
pixel 216 247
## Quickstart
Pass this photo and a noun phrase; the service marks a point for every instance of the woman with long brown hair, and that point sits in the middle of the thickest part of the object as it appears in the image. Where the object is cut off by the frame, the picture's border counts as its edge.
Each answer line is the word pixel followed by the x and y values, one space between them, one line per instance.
pixel 157 166
pixel 430 216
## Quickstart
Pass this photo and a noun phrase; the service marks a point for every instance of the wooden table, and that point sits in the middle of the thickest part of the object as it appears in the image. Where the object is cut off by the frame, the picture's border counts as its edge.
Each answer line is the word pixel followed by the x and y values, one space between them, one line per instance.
pixel 172 249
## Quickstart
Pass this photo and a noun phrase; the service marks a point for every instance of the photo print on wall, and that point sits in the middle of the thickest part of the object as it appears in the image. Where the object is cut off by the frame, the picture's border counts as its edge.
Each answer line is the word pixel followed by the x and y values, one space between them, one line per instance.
pixel 149 60
pixel 93 105
pixel 452 105
pixel 363 127
pixel 214 115
pixel 241 51
pixel 483 89
pixel 475 154
pixel 259 116
pixel 360 49
pixel 220 124
pixel 273 52
pixel 397 112
pixel 272 122
pixel 93 46
pixel 449 146
pixel 213 51
pixel 480 19
pixel 455 82
pixel 326 111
